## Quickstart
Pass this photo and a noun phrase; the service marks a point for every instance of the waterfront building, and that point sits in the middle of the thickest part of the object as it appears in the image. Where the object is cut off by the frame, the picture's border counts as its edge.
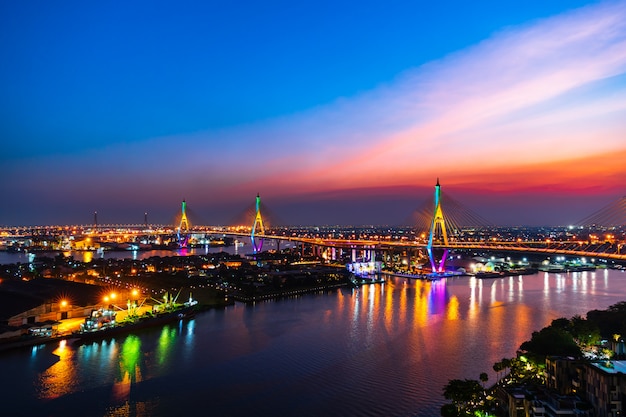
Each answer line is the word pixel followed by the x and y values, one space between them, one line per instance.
pixel 565 375
pixel 606 387
pixel 601 383
pixel 532 401
pixel 37 306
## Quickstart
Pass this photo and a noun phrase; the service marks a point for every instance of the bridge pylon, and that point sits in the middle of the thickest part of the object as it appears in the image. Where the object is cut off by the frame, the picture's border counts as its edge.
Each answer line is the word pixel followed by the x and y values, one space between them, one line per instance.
pixel 257 227
pixel 182 231
pixel 437 233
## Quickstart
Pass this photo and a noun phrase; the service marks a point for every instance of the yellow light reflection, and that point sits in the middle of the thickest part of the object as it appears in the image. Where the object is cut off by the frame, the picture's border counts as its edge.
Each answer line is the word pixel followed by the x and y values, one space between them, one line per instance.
pixel 60 378
pixel 421 302
pixel 87 256
pixel 389 310
pixel 453 308
pixel 403 311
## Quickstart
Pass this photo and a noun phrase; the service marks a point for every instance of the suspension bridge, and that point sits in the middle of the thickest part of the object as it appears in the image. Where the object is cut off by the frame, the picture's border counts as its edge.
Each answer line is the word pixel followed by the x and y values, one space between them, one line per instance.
pixel 446 232
pixel 442 225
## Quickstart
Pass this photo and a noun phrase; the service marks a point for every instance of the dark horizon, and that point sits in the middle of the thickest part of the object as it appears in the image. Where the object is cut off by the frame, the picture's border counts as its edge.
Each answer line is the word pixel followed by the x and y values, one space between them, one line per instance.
pixel 391 213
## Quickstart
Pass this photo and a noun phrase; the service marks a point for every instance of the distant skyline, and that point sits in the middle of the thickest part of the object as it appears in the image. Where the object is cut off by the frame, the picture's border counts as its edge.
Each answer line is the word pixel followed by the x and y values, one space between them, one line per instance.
pixel 335 112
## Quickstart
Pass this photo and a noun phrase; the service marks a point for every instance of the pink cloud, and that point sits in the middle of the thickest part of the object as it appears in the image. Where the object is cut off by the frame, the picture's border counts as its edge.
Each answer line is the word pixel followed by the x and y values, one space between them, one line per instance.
pixel 543 92
pixel 550 91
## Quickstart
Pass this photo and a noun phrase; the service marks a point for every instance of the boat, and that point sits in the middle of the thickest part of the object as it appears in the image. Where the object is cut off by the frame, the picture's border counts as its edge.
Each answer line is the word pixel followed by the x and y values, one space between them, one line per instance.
pixel 113 329
pixel 101 323
pixel 580 268
pixel 485 274
pixel 520 271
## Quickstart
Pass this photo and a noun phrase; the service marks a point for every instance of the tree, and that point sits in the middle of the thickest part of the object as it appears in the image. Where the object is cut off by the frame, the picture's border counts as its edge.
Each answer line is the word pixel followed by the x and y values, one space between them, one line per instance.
pixel 561 323
pixel 586 332
pixel 463 393
pixel 497 367
pixel 449 410
pixel 483 378
pixel 551 341
pixel 611 320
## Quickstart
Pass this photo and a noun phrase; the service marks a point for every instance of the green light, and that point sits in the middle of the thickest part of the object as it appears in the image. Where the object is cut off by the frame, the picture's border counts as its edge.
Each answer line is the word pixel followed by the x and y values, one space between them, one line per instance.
pixel 131 351
pixel 168 335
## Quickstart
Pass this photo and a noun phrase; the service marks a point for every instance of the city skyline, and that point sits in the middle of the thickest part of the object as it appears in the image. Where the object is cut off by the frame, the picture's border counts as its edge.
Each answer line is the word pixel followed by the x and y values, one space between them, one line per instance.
pixel 335 114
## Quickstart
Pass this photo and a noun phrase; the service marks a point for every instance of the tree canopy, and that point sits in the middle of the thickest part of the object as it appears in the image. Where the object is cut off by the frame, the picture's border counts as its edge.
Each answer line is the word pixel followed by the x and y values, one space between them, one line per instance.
pixel 551 341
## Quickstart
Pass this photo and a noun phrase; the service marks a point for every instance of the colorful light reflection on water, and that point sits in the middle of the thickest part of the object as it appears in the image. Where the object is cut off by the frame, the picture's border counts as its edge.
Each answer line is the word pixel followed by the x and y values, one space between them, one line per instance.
pixel 379 350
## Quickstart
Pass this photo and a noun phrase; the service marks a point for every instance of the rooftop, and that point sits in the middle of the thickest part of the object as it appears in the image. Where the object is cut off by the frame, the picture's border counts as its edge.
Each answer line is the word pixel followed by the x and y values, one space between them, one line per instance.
pixel 613 367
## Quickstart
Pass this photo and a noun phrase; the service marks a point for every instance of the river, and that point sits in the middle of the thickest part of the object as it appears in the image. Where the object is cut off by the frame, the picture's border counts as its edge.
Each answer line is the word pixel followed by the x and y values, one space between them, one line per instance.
pixel 87 256
pixel 378 350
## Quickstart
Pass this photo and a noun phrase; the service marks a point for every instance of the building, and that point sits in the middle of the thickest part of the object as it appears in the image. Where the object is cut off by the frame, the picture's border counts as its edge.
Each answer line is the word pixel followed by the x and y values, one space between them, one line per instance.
pixel 606 387
pixel 564 375
pixel 30 306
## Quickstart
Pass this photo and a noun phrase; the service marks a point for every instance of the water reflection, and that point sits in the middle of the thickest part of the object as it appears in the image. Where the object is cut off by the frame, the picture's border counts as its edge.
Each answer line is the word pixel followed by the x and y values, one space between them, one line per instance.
pixel 60 378
pixel 453 308
pixel 399 303
pixel 88 256
pixel 166 343
pixel 383 349
pixel 190 330
pixel 130 370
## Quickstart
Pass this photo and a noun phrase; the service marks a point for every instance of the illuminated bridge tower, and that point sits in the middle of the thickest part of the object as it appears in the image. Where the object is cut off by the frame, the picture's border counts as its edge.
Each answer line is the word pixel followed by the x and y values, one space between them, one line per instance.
pixel 437 233
pixel 183 228
pixel 257 227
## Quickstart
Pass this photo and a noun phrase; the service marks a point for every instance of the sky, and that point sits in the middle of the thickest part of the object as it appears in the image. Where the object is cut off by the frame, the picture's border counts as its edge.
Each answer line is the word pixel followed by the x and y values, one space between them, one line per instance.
pixel 335 112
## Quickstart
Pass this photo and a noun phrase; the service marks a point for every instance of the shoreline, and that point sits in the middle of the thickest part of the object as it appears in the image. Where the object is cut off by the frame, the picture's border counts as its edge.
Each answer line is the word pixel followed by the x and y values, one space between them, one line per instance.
pixel 120 329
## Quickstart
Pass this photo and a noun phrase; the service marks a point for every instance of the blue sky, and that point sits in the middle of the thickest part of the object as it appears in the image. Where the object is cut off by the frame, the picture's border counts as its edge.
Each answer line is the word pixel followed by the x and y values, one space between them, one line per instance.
pixel 125 108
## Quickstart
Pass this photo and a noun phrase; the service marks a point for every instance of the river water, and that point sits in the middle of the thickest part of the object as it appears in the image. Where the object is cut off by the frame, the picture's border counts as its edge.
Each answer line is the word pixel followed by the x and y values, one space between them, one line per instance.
pixel 378 350
pixel 87 256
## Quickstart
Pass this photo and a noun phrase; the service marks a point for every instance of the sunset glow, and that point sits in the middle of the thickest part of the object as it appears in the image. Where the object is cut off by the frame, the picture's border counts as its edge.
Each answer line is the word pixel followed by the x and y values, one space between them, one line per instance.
pixel 530 114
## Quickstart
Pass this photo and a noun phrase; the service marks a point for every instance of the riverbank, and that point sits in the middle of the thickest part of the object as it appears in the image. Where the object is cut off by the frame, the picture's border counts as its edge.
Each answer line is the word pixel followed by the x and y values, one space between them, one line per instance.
pixel 374 350
pixel 67 329
pixel 284 294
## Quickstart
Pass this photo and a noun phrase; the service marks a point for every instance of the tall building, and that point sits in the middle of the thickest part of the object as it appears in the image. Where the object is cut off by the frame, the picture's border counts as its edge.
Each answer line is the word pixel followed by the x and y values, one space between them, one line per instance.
pixel 606 387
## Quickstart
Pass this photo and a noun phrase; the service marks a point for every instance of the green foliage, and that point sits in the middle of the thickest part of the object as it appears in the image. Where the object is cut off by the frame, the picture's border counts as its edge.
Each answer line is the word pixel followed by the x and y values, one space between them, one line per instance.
pixel 586 332
pixel 551 341
pixel 561 323
pixel 564 337
pixel 609 321
pixel 450 410
pixel 483 377
pixel 464 393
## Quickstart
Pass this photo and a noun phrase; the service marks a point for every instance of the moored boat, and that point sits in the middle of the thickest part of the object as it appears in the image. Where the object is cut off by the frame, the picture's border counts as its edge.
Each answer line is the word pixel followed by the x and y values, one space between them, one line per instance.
pixel 149 320
pixel 485 274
